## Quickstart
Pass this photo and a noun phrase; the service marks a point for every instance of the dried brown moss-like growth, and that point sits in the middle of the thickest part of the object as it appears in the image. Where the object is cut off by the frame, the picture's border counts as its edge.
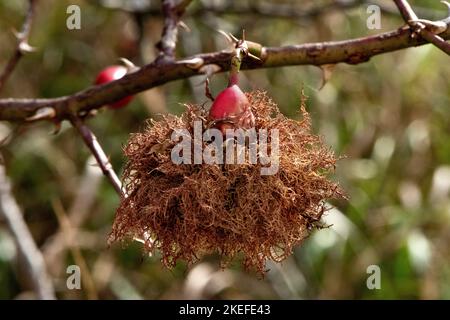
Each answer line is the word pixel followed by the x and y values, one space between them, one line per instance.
pixel 187 211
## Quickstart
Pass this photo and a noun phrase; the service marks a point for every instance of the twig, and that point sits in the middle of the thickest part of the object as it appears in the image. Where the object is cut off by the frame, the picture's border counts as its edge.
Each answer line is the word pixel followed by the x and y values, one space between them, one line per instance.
pixel 96 149
pixel 21 47
pixel 172 13
pixel 411 19
pixel 405 10
pixel 436 40
pixel 34 261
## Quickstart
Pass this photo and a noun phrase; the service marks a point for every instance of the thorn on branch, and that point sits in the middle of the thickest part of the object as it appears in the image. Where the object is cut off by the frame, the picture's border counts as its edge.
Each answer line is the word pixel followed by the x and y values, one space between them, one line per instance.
pixel 45 113
pixel 194 63
pixel 24 48
pixel 251 49
pixel 327 71
pixel 184 26
pixel 131 67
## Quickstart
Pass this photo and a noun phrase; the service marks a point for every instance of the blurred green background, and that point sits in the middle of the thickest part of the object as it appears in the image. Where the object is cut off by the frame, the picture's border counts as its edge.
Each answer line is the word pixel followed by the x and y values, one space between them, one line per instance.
pixel 389 117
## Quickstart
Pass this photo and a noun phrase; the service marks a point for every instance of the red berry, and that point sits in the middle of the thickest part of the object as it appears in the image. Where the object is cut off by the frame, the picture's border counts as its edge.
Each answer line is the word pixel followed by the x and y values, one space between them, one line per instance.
pixel 232 107
pixel 112 73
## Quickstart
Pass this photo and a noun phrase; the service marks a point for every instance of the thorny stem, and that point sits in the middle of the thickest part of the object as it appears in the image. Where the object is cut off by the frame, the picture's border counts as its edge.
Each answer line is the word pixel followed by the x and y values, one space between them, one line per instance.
pixel 96 149
pixel 352 51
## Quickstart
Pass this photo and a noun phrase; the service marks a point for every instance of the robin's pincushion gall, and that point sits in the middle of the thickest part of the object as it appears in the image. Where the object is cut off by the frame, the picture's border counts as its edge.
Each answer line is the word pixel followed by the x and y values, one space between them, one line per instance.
pixel 189 210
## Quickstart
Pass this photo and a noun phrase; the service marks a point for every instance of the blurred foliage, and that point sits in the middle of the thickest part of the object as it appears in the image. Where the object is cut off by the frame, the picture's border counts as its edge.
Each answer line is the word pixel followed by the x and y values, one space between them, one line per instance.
pixel 388 118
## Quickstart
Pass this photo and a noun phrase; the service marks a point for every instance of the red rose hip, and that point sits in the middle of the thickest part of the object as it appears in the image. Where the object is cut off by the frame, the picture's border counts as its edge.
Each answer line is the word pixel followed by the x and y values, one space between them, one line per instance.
pixel 232 106
pixel 112 73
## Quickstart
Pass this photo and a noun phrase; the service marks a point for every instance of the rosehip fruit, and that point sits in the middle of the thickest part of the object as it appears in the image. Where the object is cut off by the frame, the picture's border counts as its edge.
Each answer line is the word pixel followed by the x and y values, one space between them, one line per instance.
pixel 231 109
pixel 112 73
